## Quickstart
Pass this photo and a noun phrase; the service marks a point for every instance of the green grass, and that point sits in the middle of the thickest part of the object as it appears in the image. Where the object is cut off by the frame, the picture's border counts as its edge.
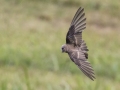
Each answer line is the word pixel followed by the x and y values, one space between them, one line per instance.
pixel 31 35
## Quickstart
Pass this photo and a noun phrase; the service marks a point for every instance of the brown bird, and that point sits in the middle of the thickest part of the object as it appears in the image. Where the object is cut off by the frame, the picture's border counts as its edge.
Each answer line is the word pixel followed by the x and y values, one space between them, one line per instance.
pixel 76 47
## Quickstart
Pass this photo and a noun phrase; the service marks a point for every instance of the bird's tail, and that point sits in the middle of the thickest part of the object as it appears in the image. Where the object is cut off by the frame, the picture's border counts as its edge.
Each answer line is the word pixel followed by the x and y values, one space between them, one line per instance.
pixel 84 48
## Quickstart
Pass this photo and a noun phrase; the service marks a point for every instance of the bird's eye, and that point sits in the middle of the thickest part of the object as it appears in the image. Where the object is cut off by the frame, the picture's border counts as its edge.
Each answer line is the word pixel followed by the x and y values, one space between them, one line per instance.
pixel 62 48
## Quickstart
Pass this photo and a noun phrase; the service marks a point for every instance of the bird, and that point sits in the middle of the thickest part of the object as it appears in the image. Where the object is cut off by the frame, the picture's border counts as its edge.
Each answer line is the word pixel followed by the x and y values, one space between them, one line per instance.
pixel 76 47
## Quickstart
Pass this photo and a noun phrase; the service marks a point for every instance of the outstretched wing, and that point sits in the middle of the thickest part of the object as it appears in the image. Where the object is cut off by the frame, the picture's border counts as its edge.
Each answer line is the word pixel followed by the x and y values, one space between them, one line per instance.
pixel 74 35
pixel 80 60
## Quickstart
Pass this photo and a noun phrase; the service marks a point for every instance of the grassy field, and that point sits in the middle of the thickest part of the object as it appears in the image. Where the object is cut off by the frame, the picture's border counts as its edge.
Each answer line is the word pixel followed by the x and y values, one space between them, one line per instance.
pixel 31 35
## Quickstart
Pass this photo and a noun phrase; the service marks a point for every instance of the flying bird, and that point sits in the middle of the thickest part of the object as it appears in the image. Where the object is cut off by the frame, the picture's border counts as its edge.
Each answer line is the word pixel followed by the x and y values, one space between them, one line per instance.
pixel 76 47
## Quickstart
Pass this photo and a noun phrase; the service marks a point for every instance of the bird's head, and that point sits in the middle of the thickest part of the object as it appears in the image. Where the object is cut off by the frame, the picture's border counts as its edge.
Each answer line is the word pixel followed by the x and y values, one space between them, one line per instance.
pixel 64 48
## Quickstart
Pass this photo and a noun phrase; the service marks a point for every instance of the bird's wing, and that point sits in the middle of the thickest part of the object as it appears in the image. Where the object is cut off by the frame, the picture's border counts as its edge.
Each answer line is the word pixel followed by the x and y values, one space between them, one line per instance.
pixel 80 60
pixel 74 35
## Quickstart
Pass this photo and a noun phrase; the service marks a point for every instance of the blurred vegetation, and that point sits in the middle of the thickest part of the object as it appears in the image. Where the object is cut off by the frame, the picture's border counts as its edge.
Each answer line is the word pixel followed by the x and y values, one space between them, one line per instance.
pixel 31 35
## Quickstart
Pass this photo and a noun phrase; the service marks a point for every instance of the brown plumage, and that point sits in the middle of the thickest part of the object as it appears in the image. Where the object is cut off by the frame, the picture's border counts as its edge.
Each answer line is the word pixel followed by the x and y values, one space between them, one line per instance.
pixel 76 47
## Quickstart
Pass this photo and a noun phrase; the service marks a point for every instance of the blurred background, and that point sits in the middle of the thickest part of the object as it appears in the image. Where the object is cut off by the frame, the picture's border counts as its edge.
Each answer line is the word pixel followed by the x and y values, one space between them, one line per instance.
pixel 31 35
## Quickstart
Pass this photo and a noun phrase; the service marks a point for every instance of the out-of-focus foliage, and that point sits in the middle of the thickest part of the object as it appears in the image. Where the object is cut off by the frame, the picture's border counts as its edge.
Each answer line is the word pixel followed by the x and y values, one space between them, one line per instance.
pixel 31 35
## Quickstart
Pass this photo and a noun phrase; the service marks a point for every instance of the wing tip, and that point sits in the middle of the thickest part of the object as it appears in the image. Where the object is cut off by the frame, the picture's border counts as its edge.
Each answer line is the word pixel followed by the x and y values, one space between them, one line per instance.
pixel 81 8
pixel 87 70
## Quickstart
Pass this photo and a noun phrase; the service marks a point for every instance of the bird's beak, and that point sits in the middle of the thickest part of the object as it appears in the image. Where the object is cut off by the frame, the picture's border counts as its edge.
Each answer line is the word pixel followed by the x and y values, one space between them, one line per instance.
pixel 62 51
